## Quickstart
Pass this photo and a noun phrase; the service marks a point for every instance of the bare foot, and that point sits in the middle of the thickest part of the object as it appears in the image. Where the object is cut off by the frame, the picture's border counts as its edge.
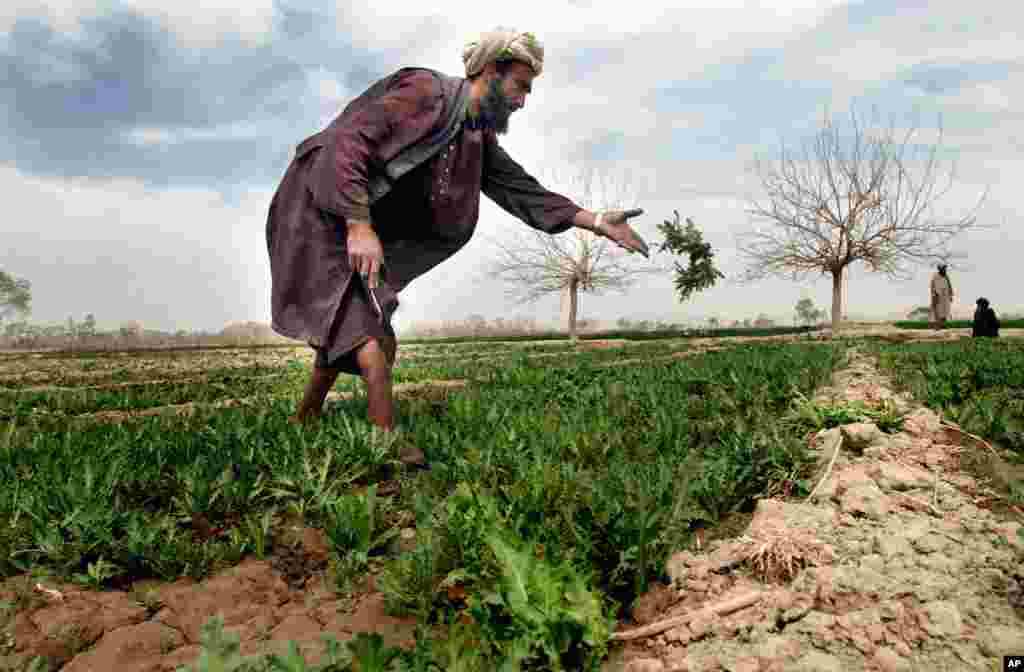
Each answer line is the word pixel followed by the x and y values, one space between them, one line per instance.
pixel 411 456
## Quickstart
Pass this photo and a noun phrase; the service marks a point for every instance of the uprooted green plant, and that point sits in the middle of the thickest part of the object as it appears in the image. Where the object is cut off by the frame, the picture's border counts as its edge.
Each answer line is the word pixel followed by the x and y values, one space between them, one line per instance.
pixel 818 416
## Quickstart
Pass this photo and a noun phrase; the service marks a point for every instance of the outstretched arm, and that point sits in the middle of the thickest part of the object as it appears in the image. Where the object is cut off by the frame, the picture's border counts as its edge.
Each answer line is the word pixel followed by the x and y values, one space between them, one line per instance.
pixel 520 194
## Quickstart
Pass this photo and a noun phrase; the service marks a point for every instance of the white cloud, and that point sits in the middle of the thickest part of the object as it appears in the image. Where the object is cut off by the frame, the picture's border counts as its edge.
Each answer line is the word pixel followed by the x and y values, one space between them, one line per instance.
pixel 995 97
pixel 180 258
pixel 327 87
pixel 196 22
pixel 933 33
pixel 999 98
pixel 331 95
pixel 149 136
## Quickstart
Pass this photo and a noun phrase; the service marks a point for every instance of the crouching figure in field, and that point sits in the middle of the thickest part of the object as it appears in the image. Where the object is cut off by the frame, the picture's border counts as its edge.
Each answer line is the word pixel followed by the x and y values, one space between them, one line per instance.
pixel 986 324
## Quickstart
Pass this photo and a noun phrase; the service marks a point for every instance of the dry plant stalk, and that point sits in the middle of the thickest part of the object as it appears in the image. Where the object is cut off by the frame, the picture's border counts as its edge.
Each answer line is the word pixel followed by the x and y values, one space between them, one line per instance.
pixel 719 609
pixel 828 470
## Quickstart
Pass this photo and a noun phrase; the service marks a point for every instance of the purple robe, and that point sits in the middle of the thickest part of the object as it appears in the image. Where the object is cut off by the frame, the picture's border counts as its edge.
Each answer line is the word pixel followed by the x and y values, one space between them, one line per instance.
pixel 399 156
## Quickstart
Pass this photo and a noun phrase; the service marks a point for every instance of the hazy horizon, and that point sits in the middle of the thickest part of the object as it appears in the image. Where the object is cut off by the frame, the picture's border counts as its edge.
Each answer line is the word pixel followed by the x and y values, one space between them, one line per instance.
pixel 143 141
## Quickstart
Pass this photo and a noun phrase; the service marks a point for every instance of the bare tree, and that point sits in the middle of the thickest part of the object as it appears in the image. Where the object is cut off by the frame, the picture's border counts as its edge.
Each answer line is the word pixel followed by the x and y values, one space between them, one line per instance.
pixel 868 195
pixel 536 264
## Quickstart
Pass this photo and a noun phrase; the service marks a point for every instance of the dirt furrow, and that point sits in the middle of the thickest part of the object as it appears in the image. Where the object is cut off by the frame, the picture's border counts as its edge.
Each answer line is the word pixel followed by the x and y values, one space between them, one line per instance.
pixel 189 408
pixel 138 383
pixel 894 564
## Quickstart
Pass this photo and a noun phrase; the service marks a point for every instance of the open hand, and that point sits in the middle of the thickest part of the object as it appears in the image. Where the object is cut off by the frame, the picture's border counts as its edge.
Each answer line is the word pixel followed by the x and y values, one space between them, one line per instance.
pixel 614 226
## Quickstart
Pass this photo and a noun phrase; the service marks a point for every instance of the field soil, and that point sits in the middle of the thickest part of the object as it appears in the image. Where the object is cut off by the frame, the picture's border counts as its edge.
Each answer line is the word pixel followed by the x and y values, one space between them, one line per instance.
pixel 901 560
pixel 156 626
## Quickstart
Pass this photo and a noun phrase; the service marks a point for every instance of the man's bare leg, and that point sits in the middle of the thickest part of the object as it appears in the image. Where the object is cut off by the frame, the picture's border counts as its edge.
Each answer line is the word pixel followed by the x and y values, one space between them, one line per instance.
pixel 312 404
pixel 376 368
pixel 377 376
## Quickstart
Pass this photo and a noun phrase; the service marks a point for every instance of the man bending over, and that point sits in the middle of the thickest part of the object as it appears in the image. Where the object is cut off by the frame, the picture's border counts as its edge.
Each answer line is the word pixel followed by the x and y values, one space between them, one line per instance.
pixel 389 190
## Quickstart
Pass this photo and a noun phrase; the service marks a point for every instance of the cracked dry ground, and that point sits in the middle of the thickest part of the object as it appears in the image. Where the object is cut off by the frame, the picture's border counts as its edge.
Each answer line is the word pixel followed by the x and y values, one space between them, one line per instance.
pixel 894 564
pixel 155 627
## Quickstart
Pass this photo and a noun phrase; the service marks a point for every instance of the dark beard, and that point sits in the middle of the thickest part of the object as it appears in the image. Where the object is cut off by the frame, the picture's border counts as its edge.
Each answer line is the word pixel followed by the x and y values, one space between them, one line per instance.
pixel 495 109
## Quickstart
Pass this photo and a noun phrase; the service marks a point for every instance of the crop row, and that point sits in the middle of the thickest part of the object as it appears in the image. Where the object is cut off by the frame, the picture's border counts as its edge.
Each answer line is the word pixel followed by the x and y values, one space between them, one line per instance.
pixel 54 404
pixel 96 369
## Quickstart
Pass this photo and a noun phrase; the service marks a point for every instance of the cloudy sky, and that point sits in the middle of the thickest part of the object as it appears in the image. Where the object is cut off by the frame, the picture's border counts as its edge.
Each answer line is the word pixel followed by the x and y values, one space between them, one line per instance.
pixel 142 141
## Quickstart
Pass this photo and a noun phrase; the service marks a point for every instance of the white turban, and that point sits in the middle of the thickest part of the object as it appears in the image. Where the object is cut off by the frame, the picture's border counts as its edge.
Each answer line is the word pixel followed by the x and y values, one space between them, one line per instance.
pixel 503 45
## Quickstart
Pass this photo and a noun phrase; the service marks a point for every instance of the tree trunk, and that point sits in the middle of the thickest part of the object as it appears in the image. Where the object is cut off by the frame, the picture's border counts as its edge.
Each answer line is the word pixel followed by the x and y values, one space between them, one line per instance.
pixel 837 299
pixel 574 286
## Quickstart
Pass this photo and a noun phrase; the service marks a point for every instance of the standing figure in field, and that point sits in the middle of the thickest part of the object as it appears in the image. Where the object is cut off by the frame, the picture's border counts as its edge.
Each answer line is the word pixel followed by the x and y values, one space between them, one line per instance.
pixel 986 324
pixel 942 298
pixel 389 190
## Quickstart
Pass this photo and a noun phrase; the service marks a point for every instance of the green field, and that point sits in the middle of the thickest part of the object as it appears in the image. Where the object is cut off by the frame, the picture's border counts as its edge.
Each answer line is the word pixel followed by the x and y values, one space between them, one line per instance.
pixel 562 476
